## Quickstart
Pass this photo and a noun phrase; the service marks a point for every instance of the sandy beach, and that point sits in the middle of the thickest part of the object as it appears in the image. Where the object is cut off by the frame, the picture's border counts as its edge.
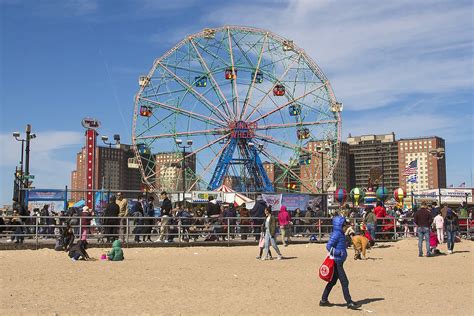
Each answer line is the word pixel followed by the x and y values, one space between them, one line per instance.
pixel 230 281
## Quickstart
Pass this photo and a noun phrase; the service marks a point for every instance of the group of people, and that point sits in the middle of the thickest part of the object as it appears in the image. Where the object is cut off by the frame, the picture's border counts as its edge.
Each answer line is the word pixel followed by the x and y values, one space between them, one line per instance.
pixel 432 225
pixel 78 251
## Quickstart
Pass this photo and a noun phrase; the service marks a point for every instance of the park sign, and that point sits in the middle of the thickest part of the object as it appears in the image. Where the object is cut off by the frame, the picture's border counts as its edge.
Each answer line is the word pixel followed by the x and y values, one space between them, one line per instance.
pixel 203 196
pixel 90 123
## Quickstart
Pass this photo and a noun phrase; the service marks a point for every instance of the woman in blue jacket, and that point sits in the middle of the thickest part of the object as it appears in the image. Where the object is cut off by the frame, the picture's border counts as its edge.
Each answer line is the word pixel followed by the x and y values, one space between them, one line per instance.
pixel 337 247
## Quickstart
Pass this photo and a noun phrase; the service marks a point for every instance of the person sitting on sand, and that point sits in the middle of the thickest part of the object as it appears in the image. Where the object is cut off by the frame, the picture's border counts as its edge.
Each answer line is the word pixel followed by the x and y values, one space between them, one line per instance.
pixel 78 251
pixel 116 254
pixel 68 238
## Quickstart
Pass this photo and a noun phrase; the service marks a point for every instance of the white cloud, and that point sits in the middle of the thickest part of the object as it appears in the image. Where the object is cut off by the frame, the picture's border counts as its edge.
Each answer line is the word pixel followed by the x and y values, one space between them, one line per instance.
pixel 373 52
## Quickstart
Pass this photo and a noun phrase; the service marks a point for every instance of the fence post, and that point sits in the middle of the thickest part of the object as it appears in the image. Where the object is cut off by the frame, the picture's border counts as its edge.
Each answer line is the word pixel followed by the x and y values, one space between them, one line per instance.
pixel 228 232
pixel 395 228
pixel 467 227
pixel 179 230
pixel 80 228
pixel 127 230
pixel 36 232
pixel 319 230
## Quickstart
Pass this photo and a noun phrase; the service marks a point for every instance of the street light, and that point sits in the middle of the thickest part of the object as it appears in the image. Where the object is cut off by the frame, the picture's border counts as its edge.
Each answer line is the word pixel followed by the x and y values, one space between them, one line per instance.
pixel 105 139
pixel 322 150
pixel 24 177
pixel 179 143
pixel 438 154
pixel 381 155
pixel 19 180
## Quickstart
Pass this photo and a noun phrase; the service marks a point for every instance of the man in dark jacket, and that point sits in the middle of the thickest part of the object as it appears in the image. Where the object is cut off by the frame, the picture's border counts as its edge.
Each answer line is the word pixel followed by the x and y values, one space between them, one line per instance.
pixel 212 208
pixel 258 211
pixel 451 227
pixel 111 224
pixel 423 220
pixel 166 207
pixel 337 247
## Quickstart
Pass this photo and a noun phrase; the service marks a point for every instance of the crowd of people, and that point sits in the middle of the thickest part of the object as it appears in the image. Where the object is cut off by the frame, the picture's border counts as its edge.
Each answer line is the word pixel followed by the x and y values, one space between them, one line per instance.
pixel 215 221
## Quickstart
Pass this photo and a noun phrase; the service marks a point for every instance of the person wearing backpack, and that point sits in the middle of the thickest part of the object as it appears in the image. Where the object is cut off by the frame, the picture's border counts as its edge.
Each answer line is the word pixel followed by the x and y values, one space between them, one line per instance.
pixel 337 247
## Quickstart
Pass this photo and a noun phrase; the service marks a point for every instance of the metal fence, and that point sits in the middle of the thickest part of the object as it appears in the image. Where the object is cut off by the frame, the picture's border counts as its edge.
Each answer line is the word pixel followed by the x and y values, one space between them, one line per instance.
pixel 42 230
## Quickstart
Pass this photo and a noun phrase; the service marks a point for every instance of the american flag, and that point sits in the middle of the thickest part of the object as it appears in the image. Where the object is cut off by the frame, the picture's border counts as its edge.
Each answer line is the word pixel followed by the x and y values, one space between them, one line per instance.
pixel 413 179
pixel 411 169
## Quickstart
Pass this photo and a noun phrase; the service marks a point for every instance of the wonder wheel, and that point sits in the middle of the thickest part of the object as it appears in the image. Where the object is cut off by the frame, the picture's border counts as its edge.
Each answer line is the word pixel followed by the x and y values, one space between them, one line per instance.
pixel 238 106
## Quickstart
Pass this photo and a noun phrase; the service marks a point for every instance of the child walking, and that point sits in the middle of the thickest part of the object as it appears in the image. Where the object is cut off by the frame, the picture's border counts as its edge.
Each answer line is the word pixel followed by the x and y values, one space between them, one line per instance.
pixel 261 246
pixel 438 222
pixel 433 241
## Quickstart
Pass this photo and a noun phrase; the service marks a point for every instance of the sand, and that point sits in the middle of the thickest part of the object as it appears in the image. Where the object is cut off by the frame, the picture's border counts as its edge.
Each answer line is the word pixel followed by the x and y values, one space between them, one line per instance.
pixel 230 281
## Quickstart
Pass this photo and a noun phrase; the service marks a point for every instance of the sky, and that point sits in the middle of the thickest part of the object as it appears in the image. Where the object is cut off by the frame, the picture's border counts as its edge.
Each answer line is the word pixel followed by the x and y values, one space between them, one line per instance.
pixel 397 66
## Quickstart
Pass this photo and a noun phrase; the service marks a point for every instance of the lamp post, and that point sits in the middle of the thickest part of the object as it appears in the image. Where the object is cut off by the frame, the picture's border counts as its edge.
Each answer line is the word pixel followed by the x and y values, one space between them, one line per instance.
pixel 438 154
pixel 19 180
pixel 179 143
pixel 105 139
pixel 322 151
pixel 25 155
pixel 382 156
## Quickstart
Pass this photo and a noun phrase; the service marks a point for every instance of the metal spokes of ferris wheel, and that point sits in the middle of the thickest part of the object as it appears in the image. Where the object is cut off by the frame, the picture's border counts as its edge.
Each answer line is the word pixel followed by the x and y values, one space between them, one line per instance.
pixel 255 107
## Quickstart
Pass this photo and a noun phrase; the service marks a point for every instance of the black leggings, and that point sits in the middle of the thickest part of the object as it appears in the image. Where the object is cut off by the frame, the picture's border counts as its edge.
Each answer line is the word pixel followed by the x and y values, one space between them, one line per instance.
pixel 339 274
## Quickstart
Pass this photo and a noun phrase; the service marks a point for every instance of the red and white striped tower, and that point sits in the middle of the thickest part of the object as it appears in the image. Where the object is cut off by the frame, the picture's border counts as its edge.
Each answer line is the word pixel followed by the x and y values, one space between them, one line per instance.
pixel 91 136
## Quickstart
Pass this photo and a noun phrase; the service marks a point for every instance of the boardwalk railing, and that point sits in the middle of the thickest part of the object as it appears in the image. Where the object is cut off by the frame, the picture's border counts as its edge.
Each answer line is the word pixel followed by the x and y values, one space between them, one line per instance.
pixel 183 230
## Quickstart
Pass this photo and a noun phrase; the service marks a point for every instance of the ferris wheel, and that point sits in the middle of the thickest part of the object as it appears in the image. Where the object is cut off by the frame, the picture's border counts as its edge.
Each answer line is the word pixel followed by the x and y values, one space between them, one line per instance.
pixel 237 106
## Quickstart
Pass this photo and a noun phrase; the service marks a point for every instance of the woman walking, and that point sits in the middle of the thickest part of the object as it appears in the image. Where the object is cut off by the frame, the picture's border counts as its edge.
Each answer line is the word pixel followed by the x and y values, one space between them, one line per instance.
pixel 337 248
pixel 270 229
pixel 451 225
pixel 284 219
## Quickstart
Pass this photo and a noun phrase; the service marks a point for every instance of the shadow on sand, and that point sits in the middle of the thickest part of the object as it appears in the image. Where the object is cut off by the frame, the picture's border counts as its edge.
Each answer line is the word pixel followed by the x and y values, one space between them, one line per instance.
pixel 365 301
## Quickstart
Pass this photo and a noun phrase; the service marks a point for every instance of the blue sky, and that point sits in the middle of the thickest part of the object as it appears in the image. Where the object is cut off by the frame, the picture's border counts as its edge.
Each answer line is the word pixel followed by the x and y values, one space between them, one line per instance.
pixel 401 66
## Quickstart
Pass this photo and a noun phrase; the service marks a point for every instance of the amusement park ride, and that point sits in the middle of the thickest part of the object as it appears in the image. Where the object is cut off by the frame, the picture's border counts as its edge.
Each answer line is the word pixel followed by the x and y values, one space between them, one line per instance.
pixel 246 97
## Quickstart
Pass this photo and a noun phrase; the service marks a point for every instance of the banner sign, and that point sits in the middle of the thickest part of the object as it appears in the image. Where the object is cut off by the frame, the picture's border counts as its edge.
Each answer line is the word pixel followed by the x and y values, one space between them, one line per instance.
pixel 46 195
pixel 273 200
pixel 54 206
pixel 203 196
pixel 447 195
pixel 294 201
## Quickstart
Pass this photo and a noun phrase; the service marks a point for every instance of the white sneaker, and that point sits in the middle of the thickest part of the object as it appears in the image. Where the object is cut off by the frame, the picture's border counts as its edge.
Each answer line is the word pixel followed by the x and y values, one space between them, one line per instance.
pixel 279 257
pixel 450 251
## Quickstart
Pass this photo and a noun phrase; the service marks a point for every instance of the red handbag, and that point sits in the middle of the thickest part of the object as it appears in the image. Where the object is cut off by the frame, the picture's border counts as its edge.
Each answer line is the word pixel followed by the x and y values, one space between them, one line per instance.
pixel 326 270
